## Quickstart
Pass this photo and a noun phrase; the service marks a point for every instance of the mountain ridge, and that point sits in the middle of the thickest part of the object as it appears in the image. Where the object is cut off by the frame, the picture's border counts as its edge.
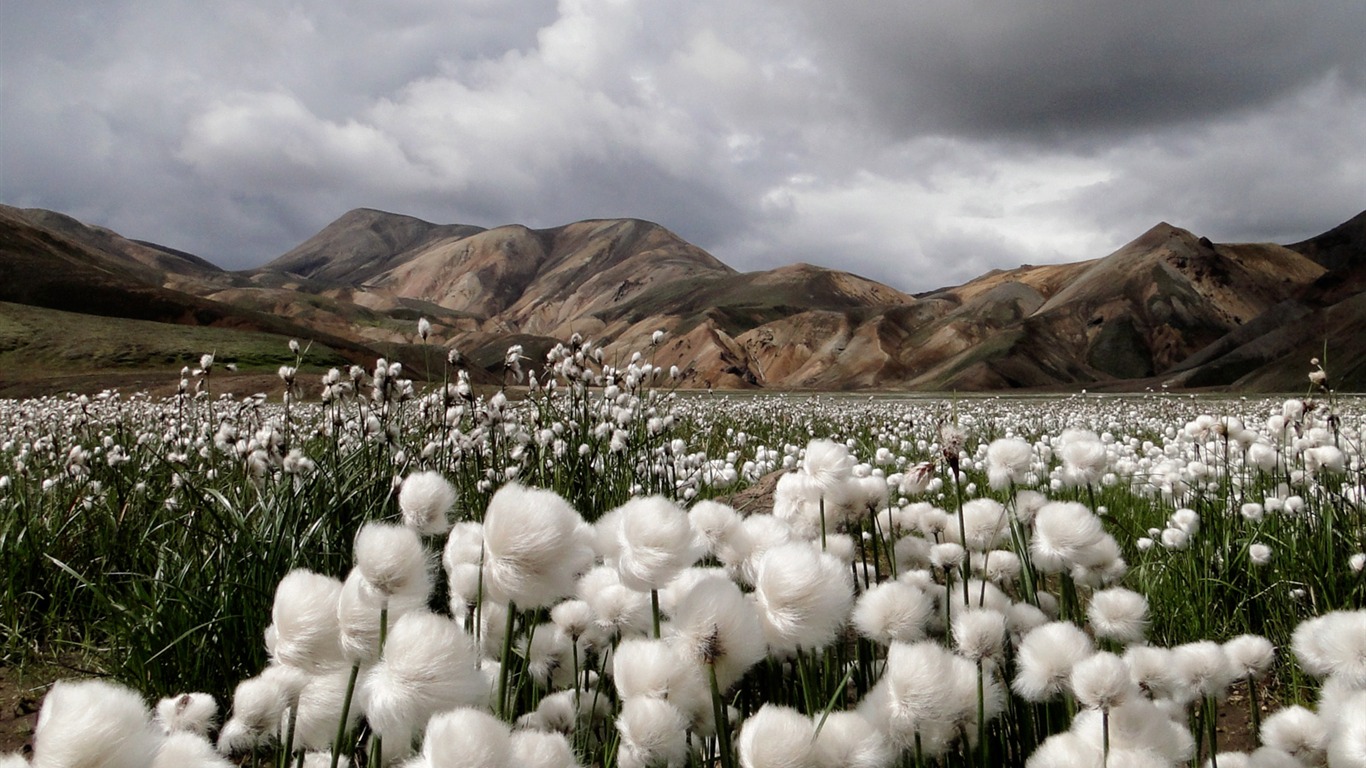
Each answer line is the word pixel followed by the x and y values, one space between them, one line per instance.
pixel 1169 307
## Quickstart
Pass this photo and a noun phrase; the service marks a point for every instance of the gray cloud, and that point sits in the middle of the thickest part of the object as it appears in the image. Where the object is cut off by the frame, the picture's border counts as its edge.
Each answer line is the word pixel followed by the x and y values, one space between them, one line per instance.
pixel 1067 68
pixel 916 143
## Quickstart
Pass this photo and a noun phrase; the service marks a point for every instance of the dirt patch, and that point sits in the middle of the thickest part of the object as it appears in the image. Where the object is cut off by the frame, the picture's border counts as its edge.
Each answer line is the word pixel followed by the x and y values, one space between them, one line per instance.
pixel 755 498
pixel 21 693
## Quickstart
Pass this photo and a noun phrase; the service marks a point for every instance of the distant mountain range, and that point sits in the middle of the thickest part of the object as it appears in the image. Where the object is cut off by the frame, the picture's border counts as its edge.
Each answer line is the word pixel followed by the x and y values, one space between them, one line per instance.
pixel 1168 309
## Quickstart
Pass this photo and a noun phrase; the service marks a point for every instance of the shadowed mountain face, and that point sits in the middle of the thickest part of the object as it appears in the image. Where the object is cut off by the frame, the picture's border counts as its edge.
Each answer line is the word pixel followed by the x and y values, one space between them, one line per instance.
pixel 1169 307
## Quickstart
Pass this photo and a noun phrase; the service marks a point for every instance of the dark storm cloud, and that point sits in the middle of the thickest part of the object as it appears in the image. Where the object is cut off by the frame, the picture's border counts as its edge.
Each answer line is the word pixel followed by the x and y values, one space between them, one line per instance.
pixel 917 143
pixel 1074 67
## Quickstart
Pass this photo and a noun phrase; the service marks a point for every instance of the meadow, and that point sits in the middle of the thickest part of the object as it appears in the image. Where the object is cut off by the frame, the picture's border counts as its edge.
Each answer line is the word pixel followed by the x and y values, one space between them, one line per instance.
pixel 602 571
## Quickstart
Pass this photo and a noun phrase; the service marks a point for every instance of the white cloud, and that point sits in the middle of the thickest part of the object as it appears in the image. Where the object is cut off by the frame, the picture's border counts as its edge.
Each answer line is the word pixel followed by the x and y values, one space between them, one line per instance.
pixel 273 140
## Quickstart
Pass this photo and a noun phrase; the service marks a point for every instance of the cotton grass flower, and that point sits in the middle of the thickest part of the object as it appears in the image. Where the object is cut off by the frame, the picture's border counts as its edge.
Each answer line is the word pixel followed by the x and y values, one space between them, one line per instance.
pixel 1101 681
pixel 828 464
pixel 947 556
pixel 1119 614
pixel 1045 660
pixel 320 710
pixel 972 699
pixel 1296 731
pixel 461 559
pixel 1065 750
pixel 426 499
pixel 653 735
pixel 191 712
pixel 537 749
pixel 914 690
pixel 617 610
pixel 1083 457
pixel 758 534
pixel 466 738
pixel 804 597
pixel 1021 618
pixel 777 737
pixel 532 552
pixel 984 524
pixel 572 618
pixel 715 525
pixel 798 500
pixel 715 624
pixel 911 552
pixel 979 634
pixel 1136 725
pixel 1259 554
pixel 1062 531
pixel 655 543
pixel 93 723
pixel 1347 744
pixel 1008 462
pixel 429 665
pixel 304 617
pixel 1027 506
pixel 1154 671
pixel 893 611
pixel 361 609
pixel 1203 669
pixel 1333 644
pixel 259 705
pixel 392 560
pixel 999 566
pixel 547 654
pixel 653 669
pixel 849 740
pixel 917 479
pixel 1250 655
pixel 187 750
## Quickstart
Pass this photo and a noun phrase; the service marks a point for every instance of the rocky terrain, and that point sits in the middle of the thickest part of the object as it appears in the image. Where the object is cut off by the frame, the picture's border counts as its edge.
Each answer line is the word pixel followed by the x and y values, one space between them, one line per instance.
pixel 1168 309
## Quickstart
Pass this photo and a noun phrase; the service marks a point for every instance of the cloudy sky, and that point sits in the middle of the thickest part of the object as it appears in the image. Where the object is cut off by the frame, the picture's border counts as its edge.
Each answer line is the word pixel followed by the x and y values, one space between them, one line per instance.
pixel 919 143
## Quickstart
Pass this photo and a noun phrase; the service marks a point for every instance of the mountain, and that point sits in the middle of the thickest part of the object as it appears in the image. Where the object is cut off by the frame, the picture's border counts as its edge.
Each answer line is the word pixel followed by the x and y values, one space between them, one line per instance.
pixel 1326 318
pixel 54 262
pixel 1169 308
pixel 361 244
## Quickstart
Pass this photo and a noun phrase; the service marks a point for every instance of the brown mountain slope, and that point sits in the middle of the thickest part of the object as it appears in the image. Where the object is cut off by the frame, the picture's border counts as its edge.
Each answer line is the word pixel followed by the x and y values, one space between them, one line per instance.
pixel 1343 246
pixel 1157 301
pixel 1167 307
pixel 43 267
pixel 361 244
pixel 145 262
pixel 547 282
pixel 1326 318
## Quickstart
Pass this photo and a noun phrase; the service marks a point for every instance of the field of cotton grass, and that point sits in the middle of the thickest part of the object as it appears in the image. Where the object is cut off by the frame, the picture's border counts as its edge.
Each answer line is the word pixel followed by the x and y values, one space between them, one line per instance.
pixel 433 576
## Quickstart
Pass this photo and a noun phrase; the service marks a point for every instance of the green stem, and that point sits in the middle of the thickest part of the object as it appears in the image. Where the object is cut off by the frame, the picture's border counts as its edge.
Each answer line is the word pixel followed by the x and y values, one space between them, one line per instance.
pixel 981 714
pixel 345 715
pixel 503 708
pixel 1254 705
pixel 718 708
pixel 289 735
pixel 834 698
pixel 962 536
pixel 822 504
pixel 654 608
pixel 1105 736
